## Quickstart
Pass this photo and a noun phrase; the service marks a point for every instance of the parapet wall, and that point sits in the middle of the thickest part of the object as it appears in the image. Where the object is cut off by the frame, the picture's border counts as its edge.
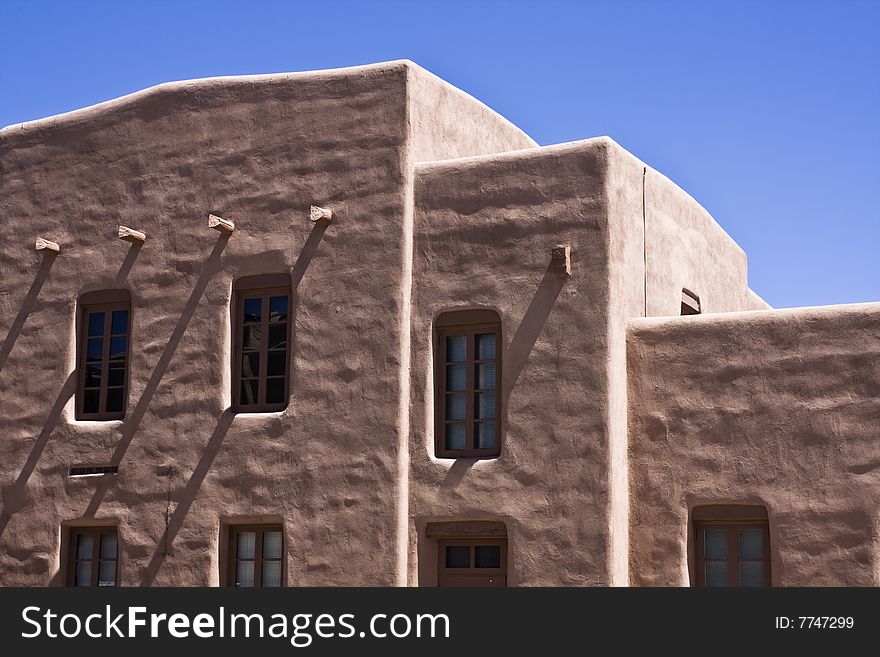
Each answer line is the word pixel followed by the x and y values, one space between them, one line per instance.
pixel 779 409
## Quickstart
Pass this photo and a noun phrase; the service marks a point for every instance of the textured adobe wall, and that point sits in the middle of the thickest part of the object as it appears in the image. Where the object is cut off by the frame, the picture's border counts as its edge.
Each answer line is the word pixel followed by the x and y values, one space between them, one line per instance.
pixel 446 122
pixel 258 151
pixel 483 232
pixel 779 408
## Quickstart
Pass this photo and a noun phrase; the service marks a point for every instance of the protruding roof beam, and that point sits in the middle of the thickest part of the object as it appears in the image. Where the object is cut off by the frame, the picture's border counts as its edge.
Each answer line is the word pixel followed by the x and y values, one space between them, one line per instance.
pixel 131 235
pixel 220 224
pixel 320 214
pixel 560 260
pixel 46 245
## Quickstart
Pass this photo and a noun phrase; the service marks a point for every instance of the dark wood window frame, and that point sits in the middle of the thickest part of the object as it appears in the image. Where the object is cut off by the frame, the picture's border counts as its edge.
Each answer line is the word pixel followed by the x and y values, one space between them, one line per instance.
pixel 258 559
pixel 467 324
pixel 263 287
pixel 104 301
pixel 472 575
pixel 96 532
pixel 733 518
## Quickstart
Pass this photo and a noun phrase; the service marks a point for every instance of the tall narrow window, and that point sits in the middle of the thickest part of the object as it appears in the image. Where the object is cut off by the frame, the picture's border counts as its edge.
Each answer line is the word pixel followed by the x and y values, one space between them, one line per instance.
pixel 256 556
pixel 262 358
pixel 92 556
pixel 105 326
pixel 467 375
pixel 732 546
pixel 690 303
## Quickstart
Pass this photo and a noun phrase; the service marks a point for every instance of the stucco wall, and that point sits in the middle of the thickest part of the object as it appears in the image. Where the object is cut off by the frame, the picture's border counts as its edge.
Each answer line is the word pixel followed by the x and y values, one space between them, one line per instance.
pixel 776 408
pixel 447 123
pixel 484 228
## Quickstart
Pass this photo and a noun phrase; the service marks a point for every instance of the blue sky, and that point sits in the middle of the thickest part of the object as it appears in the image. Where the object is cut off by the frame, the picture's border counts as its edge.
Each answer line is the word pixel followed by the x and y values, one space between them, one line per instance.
pixel 768 113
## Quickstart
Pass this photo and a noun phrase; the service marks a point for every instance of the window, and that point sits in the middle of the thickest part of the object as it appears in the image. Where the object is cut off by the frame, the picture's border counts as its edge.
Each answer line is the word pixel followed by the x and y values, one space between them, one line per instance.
pixel 262 359
pixel 256 556
pixel 467 374
pixel 472 562
pixel 690 303
pixel 102 393
pixel 92 556
pixel 732 546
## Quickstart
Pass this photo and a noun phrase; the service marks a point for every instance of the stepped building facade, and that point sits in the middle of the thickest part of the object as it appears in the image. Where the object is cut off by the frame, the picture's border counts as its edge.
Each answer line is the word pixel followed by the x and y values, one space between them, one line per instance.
pixel 352 327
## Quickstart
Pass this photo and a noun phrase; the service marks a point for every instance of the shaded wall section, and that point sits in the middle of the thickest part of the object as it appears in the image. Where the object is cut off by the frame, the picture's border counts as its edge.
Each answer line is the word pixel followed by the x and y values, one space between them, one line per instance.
pixel 779 409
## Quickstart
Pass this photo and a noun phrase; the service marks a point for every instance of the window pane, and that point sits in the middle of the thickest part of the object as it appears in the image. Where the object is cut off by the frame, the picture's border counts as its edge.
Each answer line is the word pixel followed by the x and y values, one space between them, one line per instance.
pixel 455 436
pixel 456 408
pixel 271 545
pixel 117 373
pixel 456 348
pixel 95 349
pixel 83 573
pixel 751 543
pixel 485 346
pixel 277 363
pixel 487 556
pixel 751 573
pixel 93 375
pixel 249 392
pixel 278 335
pixel 458 556
pixel 456 377
pixel 278 309
pixel 484 434
pixel 114 400
pixel 107 573
pixel 250 365
pixel 108 546
pixel 715 543
pixel 84 546
pixel 253 310
pixel 119 321
pixel 91 398
pixel 250 338
pixel 275 391
pixel 96 324
pixel 484 376
pixel 244 573
pixel 484 405
pixel 271 574
pixel 247 543
pixel 716 573
pixel 117 347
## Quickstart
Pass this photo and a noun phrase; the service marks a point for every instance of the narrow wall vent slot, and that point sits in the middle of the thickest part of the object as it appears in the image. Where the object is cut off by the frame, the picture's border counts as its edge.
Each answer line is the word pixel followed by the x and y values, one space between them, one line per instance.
pixel 92 470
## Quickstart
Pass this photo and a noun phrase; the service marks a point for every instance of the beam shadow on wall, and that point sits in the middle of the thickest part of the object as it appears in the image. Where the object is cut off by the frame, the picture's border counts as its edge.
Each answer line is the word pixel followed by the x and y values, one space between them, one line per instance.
pixel 128 263
pixel 132 422
pixel 27 306
pixel 516 355
pixel 14 498
pixel 186 498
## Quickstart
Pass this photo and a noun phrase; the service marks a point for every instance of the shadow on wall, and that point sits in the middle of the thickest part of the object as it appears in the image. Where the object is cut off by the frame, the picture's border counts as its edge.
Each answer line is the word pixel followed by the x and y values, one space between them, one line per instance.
pixel 516 355
pixel 26 306
pixel 14 498
pixel 131 423
pixel 529 329
pixel 187 496
pixel 189 493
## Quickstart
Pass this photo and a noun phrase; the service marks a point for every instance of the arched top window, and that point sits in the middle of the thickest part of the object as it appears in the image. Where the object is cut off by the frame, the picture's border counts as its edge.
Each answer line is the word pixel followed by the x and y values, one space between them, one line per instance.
pixel 467 375
pixel 261 365
pixel 102 355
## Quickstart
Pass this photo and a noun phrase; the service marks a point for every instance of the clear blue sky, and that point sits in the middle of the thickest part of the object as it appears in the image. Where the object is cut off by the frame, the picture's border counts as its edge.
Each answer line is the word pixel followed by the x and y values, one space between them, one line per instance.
pixel 768 113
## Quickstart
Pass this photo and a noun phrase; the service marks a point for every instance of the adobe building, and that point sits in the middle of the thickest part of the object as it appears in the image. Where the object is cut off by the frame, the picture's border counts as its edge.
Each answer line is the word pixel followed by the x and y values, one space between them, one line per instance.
pixel 352 327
